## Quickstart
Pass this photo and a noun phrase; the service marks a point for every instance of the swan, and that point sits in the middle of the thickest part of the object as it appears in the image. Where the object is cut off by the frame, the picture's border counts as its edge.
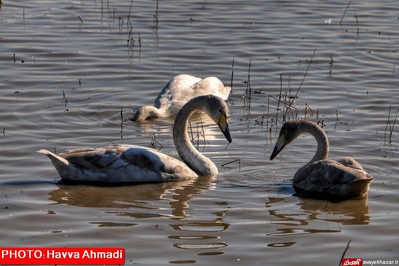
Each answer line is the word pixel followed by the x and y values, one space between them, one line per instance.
pixel 178 91
pixel 343 178
pixel 136 164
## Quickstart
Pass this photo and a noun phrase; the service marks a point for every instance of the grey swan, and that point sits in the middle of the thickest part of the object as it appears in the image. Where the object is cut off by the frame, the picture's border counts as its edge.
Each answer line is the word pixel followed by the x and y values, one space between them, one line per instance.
pixel 342 178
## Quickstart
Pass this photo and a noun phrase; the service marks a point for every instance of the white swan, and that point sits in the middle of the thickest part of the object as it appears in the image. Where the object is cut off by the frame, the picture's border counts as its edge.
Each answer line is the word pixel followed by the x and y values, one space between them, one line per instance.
pixel 177 92
pixel 344 177
pixel 128 163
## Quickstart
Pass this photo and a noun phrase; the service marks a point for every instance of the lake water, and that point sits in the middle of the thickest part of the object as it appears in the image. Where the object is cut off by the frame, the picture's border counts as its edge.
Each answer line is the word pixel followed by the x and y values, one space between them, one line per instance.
pixel 71 73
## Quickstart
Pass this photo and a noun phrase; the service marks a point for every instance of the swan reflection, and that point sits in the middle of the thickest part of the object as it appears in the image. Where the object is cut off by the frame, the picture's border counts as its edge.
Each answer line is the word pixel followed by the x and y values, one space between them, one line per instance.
pixel 139 203
pixel 313 216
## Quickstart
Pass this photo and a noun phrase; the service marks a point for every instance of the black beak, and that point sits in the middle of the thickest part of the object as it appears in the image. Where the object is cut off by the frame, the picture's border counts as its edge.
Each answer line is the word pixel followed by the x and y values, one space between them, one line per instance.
pixel 279 147
pixel 226 133
pixel 223 124
pixel 274 153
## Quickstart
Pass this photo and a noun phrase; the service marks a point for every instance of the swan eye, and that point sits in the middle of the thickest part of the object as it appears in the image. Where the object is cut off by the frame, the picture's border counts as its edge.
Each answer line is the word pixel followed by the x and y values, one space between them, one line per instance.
pixel 220 110
pixel 285 132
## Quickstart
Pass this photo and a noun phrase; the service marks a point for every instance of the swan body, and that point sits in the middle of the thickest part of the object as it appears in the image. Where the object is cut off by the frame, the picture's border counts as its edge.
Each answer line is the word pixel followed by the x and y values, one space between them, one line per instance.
pixel 136 164
pixel 177 92
pixel 344 177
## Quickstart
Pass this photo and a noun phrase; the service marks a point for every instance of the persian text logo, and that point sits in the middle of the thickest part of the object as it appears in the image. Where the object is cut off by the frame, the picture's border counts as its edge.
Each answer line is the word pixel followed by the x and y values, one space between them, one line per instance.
pixel 352 262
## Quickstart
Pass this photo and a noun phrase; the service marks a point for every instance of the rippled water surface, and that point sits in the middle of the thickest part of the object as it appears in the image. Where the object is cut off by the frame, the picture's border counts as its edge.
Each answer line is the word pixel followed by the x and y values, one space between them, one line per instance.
pixel 71 73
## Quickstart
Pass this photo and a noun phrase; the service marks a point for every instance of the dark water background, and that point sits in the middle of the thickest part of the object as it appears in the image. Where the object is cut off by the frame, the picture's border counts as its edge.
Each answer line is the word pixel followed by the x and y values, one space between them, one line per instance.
pixel 68 69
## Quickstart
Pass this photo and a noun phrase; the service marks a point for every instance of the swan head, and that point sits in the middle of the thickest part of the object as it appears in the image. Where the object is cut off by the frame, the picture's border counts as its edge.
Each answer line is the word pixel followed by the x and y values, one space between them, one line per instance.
pixel 288 132
pixel 216 108
pixel 145 113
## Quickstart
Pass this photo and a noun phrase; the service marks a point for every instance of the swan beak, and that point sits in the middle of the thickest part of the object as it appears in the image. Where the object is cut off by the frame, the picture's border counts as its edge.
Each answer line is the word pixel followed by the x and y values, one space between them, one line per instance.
pixel 279 147
pixel 223 124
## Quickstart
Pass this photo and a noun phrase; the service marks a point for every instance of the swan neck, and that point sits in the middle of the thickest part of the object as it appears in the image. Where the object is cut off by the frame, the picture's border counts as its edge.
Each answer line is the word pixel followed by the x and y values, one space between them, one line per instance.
pixel 322 143
pixel 186 150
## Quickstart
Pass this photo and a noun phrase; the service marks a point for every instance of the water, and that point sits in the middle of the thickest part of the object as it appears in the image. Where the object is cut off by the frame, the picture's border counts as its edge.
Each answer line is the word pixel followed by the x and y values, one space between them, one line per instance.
pixel 68 69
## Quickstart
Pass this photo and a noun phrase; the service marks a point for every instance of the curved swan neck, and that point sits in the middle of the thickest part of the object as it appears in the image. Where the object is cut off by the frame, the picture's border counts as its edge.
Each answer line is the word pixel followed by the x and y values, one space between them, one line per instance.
pixel 321 138
pixel 186 150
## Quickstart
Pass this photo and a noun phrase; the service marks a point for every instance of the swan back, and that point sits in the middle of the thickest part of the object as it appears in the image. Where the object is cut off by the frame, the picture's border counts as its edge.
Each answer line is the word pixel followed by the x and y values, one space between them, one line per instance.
pixel 211 85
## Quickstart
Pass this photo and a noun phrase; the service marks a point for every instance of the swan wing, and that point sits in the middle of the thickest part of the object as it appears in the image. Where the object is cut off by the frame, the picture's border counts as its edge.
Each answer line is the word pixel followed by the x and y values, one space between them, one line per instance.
pixel 118 164
pixel 177 91
pixel 333 177
pixel 211 85
pixel 182 88
pixel 350 162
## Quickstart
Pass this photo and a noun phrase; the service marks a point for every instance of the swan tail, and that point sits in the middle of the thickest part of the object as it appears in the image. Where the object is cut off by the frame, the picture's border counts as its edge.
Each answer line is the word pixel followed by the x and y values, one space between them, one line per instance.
pixel 361 186
pixel 61 164
pixel 227 92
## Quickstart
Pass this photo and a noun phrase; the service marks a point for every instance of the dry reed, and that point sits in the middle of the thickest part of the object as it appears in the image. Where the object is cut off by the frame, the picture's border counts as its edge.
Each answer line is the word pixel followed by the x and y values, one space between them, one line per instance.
pixel 155 144
pixel 303 80
pixel 197 134
pixel 357 27
pixel 331 64
pixel 65 100
pixel 233 161
pixel 121 131
pixel 232 77
pixel 343 253
pixel 247 99
pixel 155 20
pixel 346 9
pixel 391 125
